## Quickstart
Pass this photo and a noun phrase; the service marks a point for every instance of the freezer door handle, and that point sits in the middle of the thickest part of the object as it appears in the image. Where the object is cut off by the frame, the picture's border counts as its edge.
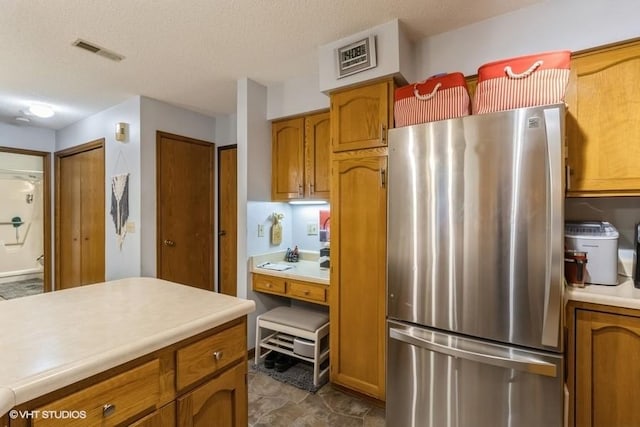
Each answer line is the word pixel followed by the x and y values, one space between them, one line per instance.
pixel 553 270
pixel 489 356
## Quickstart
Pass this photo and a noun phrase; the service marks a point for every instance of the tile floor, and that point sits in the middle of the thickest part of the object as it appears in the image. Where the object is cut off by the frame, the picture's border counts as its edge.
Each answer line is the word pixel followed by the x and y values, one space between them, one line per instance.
pixel 275 404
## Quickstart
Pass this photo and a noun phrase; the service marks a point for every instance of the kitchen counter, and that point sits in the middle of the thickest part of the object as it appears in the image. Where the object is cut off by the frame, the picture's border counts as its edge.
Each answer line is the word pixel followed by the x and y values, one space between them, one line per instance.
pixel 307 269
pixel 55 339
pixel 623 295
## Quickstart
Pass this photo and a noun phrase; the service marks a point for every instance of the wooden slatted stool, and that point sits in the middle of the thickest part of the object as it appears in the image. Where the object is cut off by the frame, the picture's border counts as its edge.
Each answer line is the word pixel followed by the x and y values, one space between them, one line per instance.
pixel 287 323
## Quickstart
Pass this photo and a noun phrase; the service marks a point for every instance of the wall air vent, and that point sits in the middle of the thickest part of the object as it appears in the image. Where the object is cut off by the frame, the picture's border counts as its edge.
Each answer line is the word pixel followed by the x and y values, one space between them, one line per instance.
pixel 94 48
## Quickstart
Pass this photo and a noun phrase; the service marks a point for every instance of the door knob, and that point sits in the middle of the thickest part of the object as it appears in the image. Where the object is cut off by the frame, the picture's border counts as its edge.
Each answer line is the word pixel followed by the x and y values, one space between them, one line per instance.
pixel 222 233
pixel 169 243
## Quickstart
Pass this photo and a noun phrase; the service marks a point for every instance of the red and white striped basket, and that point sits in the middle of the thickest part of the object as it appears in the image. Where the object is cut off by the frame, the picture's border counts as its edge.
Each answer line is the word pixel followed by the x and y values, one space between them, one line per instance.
pixel 525 81
pixel 443 96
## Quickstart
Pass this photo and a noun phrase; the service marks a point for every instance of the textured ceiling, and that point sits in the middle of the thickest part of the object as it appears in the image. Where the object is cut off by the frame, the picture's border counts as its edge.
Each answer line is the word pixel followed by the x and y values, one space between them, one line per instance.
pixel 187 53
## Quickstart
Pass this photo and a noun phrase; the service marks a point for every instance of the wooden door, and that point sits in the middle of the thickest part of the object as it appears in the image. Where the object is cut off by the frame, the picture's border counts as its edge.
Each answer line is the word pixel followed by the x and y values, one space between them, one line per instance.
pixel 360 117
pixel 80 215
pixel 185 210
pixel 603 124
pixel 287 164
pixel 227 219
pixel 358 273
pixel 607 369
pixel 221 402
pixel 317 146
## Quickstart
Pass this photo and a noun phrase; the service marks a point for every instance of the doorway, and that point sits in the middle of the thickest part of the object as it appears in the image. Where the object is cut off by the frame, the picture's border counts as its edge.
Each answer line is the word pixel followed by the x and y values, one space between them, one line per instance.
pixel 25 223
pixel 227 219
pixel 80 215
pixel 185 210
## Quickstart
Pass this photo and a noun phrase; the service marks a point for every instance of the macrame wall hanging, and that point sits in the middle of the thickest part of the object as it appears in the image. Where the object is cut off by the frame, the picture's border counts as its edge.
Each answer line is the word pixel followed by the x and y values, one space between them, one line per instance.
pixel 120 205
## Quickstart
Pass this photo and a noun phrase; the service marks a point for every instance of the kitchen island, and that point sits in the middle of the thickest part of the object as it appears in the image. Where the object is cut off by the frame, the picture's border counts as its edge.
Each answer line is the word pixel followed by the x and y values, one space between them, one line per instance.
pixel 138 351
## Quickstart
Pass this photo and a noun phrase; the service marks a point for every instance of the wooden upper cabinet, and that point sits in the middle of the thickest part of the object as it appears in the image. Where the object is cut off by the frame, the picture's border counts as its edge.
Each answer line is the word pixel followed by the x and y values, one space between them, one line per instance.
pixel 287 164
pixel 603 124
pixel 300 158
pixel 360 117
pixel 317 151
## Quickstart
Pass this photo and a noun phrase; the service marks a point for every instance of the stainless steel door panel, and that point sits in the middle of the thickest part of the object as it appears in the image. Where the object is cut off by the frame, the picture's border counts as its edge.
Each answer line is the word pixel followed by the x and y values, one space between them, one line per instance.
pixel 466 383
pixel 475 215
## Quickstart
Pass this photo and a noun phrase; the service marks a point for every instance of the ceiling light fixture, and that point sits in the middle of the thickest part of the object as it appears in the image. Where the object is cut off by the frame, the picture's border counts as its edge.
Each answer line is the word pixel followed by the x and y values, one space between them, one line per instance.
pixel 41 110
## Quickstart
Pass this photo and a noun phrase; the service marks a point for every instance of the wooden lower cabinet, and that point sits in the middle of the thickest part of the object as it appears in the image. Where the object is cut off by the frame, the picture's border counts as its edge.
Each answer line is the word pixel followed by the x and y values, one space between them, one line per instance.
pixel 220 402
pixel 604 365
pixel 200 381
pixel 163 417
pixel 358 271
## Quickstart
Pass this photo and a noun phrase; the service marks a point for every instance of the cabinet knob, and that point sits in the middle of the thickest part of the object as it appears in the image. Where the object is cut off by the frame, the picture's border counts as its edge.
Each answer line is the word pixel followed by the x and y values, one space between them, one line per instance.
pixel 300 189
pixel 108 409
pixel 217 355
pixel 306 292
pixel 169 243
pixel 268 285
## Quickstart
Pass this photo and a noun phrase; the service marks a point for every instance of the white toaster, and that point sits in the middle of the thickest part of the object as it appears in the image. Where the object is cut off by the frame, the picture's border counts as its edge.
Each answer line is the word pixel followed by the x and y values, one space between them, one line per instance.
pixel 599 239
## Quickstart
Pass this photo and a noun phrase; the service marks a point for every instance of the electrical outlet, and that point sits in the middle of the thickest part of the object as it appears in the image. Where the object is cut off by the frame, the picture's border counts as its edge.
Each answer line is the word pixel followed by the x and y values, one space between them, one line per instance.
pixel 260 230
pixel 130 226
pixel 312 229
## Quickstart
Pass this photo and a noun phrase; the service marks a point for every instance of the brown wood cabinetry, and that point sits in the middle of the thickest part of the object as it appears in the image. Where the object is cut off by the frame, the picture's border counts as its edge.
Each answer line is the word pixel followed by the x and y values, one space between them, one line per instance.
pixel 300 158
pixel 603 122
pixel 79 215
pixel 361 116
pixel 200 381
pixel 296 289
pixel 358 271
pixel 604 365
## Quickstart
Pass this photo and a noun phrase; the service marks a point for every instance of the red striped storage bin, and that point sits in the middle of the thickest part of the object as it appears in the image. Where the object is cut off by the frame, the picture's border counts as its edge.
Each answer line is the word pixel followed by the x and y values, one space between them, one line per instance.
pixel 443 96
pixel 524 81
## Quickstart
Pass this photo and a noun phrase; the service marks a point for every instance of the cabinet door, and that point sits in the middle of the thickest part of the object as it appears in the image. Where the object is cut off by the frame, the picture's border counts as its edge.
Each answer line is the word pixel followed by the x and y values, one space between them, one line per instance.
pixel 287 164
pixel 93 210
pixel 358 272
pixel 607 369
pixel 360 117
pixel 163 417
pixel 317 151
pixel 603 125
pixel 221 402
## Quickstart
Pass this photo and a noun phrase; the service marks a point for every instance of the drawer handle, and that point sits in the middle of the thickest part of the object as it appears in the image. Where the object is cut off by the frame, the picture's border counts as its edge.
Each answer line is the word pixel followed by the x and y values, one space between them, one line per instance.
pixel 108 409
pixel 217 355
pixel 268 285
pixel 306 292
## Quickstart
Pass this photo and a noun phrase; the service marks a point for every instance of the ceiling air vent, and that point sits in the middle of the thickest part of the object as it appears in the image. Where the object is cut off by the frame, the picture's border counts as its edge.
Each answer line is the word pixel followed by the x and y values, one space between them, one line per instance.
pixel 94 48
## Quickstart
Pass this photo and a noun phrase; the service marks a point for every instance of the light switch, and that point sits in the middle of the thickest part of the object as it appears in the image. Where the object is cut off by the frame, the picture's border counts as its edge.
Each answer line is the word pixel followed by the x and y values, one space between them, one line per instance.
pixel 260 230
pixel 312 229
pixel 131 227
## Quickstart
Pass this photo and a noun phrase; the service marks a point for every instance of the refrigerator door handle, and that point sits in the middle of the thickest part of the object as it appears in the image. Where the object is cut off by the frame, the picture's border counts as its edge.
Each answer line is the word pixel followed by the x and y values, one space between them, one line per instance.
pixel 490 357
pixel 553 270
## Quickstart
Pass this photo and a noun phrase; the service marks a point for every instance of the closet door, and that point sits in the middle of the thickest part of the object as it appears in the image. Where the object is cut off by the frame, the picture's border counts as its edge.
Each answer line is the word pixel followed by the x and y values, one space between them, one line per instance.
pixel 80 215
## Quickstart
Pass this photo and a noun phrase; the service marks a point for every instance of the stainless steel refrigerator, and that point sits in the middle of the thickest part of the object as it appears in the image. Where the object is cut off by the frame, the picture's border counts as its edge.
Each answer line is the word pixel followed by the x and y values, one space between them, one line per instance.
pixel 475 271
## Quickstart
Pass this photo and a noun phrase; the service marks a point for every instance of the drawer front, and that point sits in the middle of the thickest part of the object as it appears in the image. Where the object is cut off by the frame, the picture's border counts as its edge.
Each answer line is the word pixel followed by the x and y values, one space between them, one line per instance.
pixel 268 284
pixel 210 354
pixel 107 403
pixel 307 291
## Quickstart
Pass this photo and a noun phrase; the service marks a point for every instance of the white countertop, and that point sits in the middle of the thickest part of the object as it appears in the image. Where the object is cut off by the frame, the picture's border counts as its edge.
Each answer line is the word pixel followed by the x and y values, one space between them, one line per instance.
pixel 622 295
pixel 51 340
pixel 307 269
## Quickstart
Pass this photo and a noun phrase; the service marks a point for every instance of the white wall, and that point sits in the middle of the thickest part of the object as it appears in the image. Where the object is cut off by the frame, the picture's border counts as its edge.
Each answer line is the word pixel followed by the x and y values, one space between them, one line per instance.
pixel 226 130
pixel 261 213
pixel 119 158
pixel 303 215
pixel 27 137
pixel 159 116
pixel 550 25
pixel 295 96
